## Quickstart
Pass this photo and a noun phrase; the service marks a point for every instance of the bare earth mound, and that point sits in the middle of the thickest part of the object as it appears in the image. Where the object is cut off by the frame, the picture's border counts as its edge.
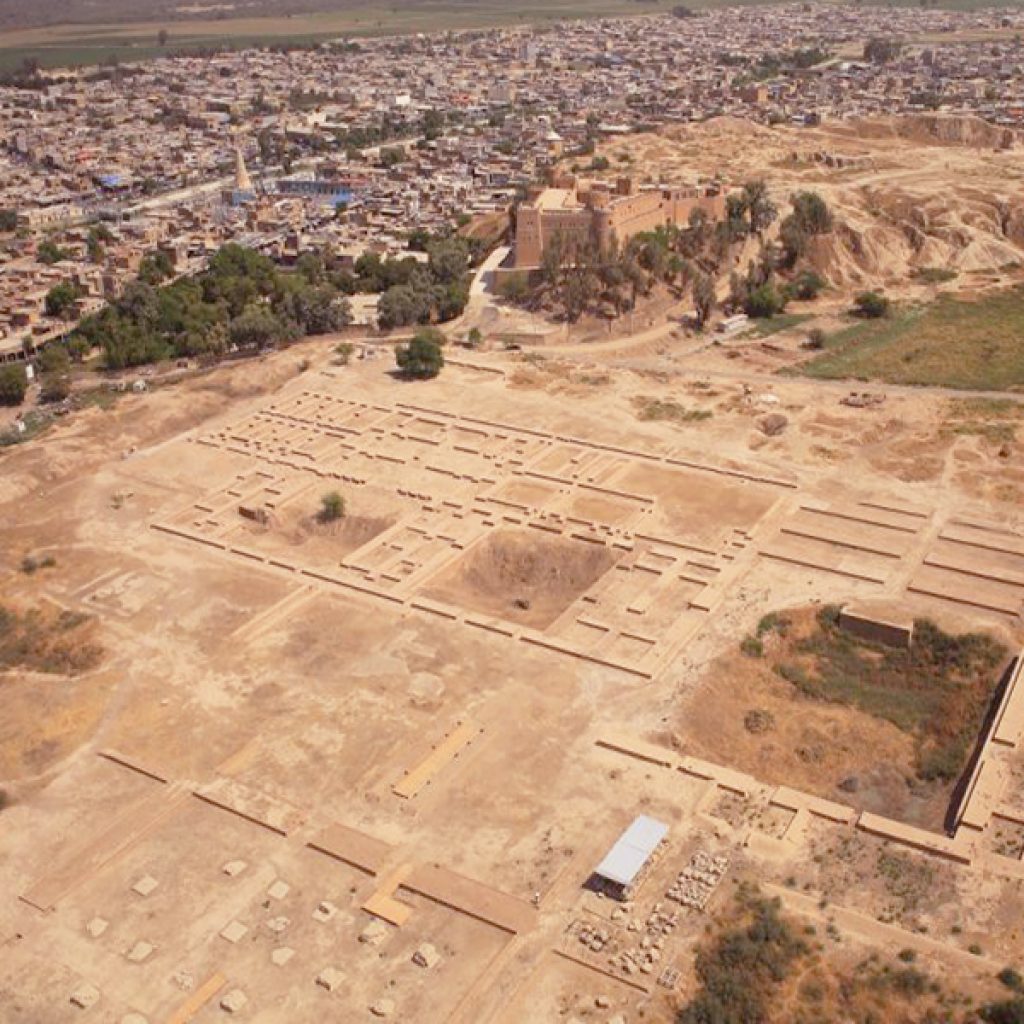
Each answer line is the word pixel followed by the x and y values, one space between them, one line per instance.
pixel 523 577
pixel 907 193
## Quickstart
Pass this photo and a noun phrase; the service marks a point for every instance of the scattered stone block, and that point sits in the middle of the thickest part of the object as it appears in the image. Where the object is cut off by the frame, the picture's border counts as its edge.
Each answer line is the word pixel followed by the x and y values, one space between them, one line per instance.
pixel 233 931
pixel 383 1008
pixel 85 996
pixel 279 890
pixel 145 885
pixel 426 956
pixel 140 952
pixel 330 978
pixel 96 927
pixel 234 867
pixel 280 956
pixel 325 910
pixel 233 1001
pixel 374 933
pixel 773 424
pixel 278 924
pixel 134 1018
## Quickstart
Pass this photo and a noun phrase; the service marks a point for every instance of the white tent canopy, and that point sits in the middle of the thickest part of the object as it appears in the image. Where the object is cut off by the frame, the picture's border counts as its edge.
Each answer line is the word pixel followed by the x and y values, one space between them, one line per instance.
pixel 632 849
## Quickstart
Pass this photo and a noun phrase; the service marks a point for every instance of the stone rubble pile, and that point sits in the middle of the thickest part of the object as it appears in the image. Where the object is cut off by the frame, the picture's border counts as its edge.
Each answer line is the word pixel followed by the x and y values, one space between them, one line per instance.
pixel 698 880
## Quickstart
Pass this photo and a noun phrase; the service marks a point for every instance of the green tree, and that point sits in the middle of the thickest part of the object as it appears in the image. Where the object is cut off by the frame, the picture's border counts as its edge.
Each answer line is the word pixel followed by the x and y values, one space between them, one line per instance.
pixel 761 211
pixel 155 267
pixel 812 213
pixel 60 300
pixel 515 287
pixel 49 252
pixel 703 298
pixel 256 327
pixel 882 51
pixel 54 366
pixel 422 357
pixel 764 301
pixel 448 260
pixel 432 124
pixel 8 220
pixel 13 384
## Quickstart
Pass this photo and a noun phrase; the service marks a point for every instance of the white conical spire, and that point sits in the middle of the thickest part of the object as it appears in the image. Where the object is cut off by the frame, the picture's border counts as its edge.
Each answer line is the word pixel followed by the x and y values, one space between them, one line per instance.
pixel 243 183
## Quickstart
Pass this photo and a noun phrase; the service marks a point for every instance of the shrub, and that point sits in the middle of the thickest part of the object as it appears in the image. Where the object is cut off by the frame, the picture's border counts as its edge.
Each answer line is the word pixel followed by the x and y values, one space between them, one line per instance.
pixel 514 287
pixel 332 507
pixel 816 339
pixel 765 301
pixel 343 350
pixel 1011 978
pixel 752 647
pixel 871 305
pixel 773 622
pixel 758 721
pixel 1010 1011
pixel 806 285
pixel 740 972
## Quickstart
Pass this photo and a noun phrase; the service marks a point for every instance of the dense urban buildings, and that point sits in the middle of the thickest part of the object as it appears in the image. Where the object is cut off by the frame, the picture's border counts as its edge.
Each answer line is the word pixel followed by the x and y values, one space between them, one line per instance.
pixel 354 145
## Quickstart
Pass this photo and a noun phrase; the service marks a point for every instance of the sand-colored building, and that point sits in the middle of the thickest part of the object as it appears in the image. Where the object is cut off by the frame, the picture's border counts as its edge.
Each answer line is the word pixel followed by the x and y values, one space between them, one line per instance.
pixel 594 213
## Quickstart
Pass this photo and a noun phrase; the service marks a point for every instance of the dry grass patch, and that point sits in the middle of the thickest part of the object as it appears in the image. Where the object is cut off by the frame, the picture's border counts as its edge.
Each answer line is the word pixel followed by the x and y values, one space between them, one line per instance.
pixel 951 343
pixel 47 640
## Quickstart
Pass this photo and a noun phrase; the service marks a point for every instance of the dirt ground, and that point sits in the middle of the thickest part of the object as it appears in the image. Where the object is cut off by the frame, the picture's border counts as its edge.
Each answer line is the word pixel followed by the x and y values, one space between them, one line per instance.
pixel 521 578
pixel 531 577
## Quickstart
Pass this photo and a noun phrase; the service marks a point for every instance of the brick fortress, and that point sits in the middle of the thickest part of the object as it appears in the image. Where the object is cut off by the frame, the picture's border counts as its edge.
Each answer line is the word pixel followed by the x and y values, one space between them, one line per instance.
pixel 595 212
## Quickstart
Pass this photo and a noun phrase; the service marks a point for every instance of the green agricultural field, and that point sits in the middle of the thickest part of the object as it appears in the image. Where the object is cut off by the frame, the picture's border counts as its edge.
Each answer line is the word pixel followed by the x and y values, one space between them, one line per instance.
pixel 91 31
pixel 953 343
pixel 133 40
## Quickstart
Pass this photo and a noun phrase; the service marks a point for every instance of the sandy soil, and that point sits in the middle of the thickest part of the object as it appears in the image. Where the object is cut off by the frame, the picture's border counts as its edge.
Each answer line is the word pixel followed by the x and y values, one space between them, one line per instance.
pixel 243 662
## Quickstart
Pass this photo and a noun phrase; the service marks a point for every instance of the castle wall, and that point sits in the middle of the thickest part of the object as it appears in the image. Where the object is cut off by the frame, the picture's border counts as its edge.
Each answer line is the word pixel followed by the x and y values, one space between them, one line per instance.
pixel 621 215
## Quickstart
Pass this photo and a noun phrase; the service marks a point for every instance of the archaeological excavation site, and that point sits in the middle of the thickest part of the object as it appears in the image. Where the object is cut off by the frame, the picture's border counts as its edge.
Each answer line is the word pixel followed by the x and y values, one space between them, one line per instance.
pixel 480 700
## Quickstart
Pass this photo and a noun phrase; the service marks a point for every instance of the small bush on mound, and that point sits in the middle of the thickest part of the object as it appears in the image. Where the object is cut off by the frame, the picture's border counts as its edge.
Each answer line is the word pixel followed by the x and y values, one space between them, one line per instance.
pixel 758 721
pixel 871 305
pixel 806 285
pixel 332 507
pixel 816 339
pixel 752 647
pixel 422 357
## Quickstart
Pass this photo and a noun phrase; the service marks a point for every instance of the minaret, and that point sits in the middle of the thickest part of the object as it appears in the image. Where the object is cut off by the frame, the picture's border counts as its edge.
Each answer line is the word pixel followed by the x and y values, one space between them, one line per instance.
pixel 243 183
